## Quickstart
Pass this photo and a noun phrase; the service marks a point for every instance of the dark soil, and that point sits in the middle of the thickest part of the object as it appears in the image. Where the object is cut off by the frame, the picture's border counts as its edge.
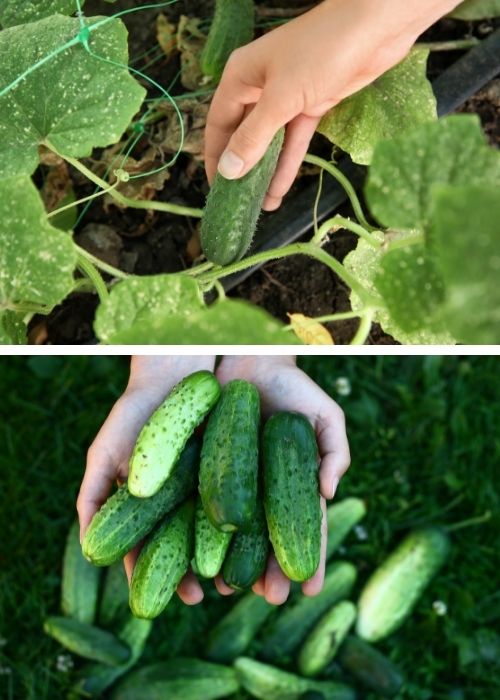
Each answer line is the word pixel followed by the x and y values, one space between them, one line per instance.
pixel 150 242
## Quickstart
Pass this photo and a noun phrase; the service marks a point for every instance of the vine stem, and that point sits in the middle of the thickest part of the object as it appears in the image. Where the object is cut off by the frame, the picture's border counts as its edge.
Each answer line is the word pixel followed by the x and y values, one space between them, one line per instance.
pixel 344 182
pixel 93 274
pixel 364 327
pixel 454 45
pixel 478 520
pixel 99 193
pixel 405 242
pixel 127 201
pixel 338 222
pixel 100 264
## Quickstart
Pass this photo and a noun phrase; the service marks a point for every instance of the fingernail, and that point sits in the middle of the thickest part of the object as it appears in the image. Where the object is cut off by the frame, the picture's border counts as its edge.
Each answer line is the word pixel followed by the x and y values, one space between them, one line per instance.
pixel 230 165
pixel 335 483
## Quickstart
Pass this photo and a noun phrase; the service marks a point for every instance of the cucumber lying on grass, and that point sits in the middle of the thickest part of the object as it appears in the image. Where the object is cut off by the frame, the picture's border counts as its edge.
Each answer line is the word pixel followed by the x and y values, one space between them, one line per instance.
pixel 370 667
pixel 80 581
pixel 232 27
pixel 325 639
pixel 114 600
pixel 87 641
pixel 341 517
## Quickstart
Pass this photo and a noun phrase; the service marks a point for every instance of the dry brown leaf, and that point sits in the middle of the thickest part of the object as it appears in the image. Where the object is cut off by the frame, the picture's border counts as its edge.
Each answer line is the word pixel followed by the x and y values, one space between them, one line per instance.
pixel 190 43
pixel 166 35
pixel 310 331
pixel 57 185
pixel 194 116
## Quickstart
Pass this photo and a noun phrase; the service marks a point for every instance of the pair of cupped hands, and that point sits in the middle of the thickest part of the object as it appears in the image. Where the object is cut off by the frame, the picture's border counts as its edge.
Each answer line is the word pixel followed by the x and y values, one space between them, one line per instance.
pixel 282 386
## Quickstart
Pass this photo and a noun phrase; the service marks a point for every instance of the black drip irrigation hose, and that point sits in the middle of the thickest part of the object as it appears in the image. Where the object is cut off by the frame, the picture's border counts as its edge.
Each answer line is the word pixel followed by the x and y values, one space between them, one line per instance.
pixel 452 88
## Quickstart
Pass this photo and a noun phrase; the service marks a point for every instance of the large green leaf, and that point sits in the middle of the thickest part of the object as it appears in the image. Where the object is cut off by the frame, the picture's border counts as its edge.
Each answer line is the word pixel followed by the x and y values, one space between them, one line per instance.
pixel 398 100
pixel 14 12
pixel 12 328
pixel 139 297
pixel 404 170
pixel 477 9
pixel 36 260
pixel 464 242
pixel 74 102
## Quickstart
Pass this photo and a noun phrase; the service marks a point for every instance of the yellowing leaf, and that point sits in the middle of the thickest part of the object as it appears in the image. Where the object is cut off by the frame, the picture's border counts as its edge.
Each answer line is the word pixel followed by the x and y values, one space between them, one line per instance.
pixel 310 331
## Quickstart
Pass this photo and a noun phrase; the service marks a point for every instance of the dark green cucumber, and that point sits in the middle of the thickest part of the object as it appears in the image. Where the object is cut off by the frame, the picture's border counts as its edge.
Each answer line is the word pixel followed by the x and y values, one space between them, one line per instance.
pixel 114 600
pixel 233 207
pixel 325 639
pixel 210 544
pixel 291 493
pixel 235 632
pixel 270 683
pixel 341 518
pixel 229 461
pixel 394 588
pixel 87 641
pixel 162 563
pixel 370 667
pixel 299 616
pixel 124 519
pixel 94 679
pixel 247 556
pixel 165 434
pixel 80 581
pixel 178 679
pixel 232 26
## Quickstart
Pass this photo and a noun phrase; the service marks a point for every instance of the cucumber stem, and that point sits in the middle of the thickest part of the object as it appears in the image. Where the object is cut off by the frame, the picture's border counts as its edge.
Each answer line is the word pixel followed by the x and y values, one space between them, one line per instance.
pixel 364 328
pixel 337 222
pixel 470 522
pixel 93 274
pixel 109 269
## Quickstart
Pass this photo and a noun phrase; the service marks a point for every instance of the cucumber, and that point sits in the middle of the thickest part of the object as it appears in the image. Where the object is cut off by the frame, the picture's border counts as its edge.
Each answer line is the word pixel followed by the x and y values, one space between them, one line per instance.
pixel 178 679
pixel 247 556
pixel 299 616
pixel 341 518
pixel 124 519
pixel 235 632
pixel 291 493
pixel 233 206
pixel 394 588
pixel 269 683
pixel 162 563
pixel 325 639
pixel 370 667
pixel 210 544
pixel 114 600
pixel 230 458
pixel 80 581
pixel 94 679
pixel 232 26
pixel 163 437
pixel 87 641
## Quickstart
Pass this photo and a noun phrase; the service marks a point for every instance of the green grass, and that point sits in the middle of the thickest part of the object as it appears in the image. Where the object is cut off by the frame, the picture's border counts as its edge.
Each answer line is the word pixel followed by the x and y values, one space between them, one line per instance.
pixel 425 449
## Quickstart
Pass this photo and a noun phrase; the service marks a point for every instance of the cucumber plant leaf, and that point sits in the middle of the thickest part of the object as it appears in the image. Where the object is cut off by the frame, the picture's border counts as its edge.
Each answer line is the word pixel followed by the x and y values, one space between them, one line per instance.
pixel 74 102
pixel 14 12
pixel 405 169
pixel 36 260
pixel 401 98
pixel 12 329
pixel 476 9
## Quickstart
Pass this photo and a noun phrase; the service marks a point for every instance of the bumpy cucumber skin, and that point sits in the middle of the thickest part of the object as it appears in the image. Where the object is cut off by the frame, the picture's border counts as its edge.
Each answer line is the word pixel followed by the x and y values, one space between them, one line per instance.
pixel 162 563
pixel 124 519
pixel 270 683
pixel 394 588
pixel 210 544
pixel 232 26
pixel 370 667
pixel 80 581
pixel 230 458
pixel 325 639
pixel 87 641
pixel 178 679
pixel 341 517
pixel 234 633
pixel 294 622
pixel 233 206
pixel 291 493
pixel 163 437
pixel 247 556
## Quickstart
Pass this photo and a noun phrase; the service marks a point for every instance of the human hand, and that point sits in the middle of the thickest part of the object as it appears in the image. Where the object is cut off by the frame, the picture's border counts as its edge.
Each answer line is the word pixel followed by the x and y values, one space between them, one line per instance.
pixel 294 74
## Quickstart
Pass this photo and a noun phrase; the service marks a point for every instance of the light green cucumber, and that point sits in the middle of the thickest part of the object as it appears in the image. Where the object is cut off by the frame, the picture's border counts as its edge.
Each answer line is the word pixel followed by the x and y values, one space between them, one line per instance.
pixel 270 683
pixel 80 581
pixel 229 460
pixel 392 591
pixel 370 667
pixel 163 437
pixel 87 641
pixel 232 636
pixel 232 26
pixel 162 563
pixel 325 639
pixel 247 556
pixel 298 617
pixel 178 679
pixel 341 518
pixel 210 544
pixel 233 207
pixel 114 600
pixel 124 519
pixel 291 493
